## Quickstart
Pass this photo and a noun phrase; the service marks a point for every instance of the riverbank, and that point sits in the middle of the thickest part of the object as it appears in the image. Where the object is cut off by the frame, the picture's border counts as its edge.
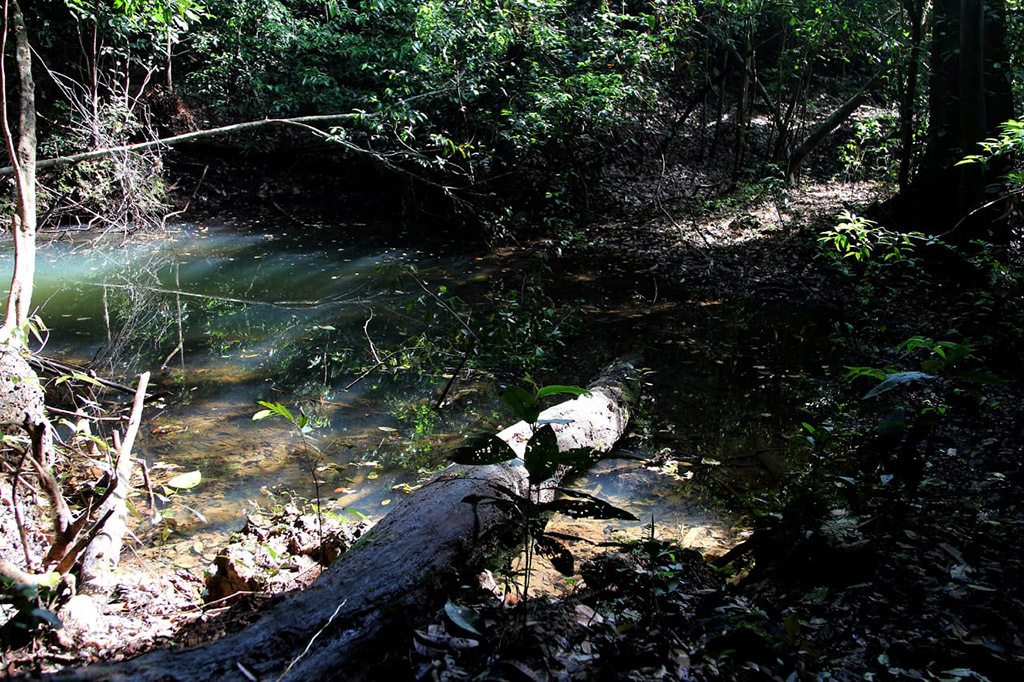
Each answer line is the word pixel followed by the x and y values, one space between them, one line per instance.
pixel 880 545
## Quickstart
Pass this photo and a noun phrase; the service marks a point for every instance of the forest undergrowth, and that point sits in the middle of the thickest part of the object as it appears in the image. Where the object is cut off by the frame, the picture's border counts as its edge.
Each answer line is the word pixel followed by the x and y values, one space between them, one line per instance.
pixel 888 550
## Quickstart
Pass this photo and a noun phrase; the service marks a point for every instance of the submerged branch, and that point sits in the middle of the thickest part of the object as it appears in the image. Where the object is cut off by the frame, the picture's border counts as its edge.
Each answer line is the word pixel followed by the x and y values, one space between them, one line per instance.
pixel 228 299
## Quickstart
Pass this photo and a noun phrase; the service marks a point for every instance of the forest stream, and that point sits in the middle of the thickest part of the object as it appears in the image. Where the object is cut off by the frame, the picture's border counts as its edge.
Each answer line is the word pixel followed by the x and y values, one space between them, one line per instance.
pixel 271 315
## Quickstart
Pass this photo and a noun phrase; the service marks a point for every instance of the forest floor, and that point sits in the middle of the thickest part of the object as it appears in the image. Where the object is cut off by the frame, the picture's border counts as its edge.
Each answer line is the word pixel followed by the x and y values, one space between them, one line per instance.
pixel 893 554
pixel 896 555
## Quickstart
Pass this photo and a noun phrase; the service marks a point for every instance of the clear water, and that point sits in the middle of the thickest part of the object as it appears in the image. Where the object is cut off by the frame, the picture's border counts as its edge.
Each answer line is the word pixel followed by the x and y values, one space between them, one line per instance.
pixel 290 317
pixel 260 315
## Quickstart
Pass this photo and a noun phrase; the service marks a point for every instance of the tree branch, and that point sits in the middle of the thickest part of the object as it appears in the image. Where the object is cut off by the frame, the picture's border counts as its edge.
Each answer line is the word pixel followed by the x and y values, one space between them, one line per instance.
pixel 302 121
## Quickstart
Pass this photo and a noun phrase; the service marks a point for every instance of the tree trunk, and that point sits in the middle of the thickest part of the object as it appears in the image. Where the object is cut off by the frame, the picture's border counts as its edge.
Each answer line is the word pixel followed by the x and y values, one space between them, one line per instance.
pixel 972 116
pixel 743 101
pixel 969 95
pixel 908 105
pixel 836 119
pixel 23 159
pixel 399 570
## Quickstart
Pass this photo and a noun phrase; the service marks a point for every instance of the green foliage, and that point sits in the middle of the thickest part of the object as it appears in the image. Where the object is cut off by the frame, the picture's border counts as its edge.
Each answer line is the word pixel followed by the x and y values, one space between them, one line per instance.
pixel 541 460
pixel 872 153
pixel 462 91
pixel 862 239
pixel 31 604
pixel 309 454
pixel 1009 143
pixel 1007 148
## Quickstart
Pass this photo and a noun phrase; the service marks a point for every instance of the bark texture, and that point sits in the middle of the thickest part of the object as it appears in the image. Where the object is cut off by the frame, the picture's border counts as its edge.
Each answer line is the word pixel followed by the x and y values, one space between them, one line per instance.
pixel 22 152
pixel 334 629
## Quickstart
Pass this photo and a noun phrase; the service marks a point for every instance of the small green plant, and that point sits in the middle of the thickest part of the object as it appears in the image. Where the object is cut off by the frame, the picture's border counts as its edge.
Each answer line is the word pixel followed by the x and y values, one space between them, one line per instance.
pixel 873 151
pixel 32 604
pixel 542 460
pixel 1009 144
pixel 309 454
pixel 862 239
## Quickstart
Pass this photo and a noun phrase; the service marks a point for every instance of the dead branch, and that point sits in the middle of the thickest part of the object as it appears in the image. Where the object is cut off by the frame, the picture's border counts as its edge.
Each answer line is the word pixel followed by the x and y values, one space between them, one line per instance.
pixel 184 137
pixel 103 551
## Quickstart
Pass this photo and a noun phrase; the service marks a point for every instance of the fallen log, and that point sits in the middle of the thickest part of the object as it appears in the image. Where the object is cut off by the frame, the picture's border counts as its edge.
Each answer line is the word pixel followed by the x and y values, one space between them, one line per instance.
pixel 334 629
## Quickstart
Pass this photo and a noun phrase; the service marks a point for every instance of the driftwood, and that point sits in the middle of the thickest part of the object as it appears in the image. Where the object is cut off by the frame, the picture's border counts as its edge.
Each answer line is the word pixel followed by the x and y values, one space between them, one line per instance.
pixel 335 628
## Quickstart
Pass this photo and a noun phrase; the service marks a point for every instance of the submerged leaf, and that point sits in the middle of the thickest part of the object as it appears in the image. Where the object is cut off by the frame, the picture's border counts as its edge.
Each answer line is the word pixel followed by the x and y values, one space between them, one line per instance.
pixel 185 481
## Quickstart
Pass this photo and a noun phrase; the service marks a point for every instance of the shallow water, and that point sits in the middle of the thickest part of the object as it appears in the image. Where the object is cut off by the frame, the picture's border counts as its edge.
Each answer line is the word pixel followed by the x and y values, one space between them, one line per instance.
pixel 259 315
pixel 290 317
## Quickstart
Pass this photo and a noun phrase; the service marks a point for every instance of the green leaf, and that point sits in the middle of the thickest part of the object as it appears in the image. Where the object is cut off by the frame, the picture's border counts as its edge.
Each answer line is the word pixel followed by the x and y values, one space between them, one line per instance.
pixel 483 449
pixel 556 390
pixel 464 618
pixel 45 616
pixel 274 408
pixel 522 403
pixel 541 456
pixel 185 481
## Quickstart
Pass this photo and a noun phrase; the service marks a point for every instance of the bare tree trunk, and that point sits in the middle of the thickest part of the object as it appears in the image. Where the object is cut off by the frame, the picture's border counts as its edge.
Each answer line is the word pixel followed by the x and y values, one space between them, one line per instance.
pixel 973 116
pixel 743 102
pixel 908 107
pixel 23 160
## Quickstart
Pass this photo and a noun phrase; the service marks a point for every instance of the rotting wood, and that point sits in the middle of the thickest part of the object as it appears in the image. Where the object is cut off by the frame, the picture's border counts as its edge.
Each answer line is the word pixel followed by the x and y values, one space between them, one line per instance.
pixel 399 569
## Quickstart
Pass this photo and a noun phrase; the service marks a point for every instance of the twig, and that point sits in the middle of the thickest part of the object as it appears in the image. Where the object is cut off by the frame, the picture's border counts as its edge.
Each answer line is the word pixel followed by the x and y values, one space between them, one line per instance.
pixel 245 673
pixel 464 323
pixel 72 555
pixel 366 332
pixel 370 370
pixel 12 572
pixel 154 518
pixel 82 415
pixel 455 375
pixel 661 206
pixel 310 643
pixel 17 508
pixel 58 367
pixel 184 137
pixel 229 299
pixel 233 595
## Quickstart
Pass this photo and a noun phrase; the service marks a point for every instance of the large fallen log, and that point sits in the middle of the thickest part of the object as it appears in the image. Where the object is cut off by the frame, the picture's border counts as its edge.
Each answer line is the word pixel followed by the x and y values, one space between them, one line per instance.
pixel 334 629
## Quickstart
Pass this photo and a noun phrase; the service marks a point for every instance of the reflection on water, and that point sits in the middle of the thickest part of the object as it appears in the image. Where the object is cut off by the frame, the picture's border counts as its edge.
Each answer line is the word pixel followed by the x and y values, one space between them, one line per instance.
pixel 233 315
